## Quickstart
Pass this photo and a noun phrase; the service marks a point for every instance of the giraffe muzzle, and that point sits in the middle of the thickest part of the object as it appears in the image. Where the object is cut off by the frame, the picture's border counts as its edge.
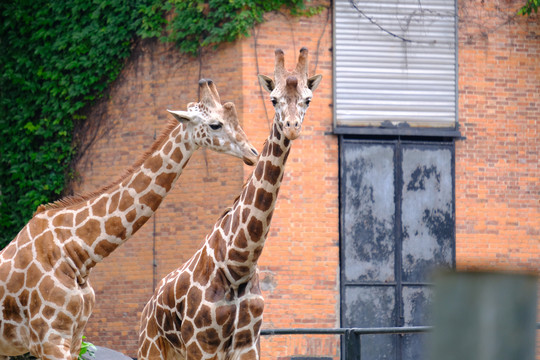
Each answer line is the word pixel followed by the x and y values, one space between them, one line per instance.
pixel 292 129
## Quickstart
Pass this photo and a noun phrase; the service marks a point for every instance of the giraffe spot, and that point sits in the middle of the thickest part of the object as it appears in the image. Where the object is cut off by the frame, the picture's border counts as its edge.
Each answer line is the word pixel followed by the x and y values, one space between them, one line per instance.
pixel 209 340
pixel 40 329
pixel 89 231
pixel 130 216
pixel 167 297
pixel 251 354
pixel 259 171
pixel 36 226
pixel 276 132
pixel 235 223
pixel 286 142
pixel 160 316
pixel 126 201
pixel 167 147
pixel 250 193
pixel 74 305
pixel 174 339
pixel 16 282
pixel 225 316
pixel 21 261
pixel 10 331
pixel 151 327
pixel 245 215
pixel 65 220
pixel 76 253
pixel 175 132
pixel 52 351
pixel 194 298
pixel 62 322
pixel 255 228
pixel 65 274
pixel 63 234
pixel 9 252
pixel 177 156
pixel 256 307
pixel 263 199
pixel 46 249
pixel 140 222
pixel 276 150
pixel 151 199
pixel 81 216
pixel 23 297
pixel 243 339
pixel 238 272
pixel 154 163
pixel 194 351
pixel 215 291
pixel 11 310
pixel 104 248
pixel 266 149
pixel 240 256
pixel 141 182
pixel 99 209
pixel 203 317
pixel 240 241
pixel 114 202
pixel 244 317
pixel 226 224
pixel 114 226
pixel 187 330
pixel 182 284
pixel 50 292
pixel 203 270
pixel 217 244
pixel 33 275
pixel 48 312
pixel 271 173
pixel 166 180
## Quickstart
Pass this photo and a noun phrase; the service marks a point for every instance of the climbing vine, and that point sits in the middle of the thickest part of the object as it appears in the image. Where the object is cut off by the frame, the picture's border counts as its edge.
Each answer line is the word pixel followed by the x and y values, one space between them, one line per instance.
pixel 59 56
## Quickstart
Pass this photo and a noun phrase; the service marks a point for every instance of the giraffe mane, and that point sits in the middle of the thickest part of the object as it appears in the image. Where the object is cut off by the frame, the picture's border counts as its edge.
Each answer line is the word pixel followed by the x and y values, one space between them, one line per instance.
pixel 79 198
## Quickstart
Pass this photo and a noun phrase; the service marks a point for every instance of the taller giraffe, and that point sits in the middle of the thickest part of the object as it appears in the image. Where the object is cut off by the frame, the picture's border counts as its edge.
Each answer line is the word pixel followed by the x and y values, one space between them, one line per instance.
pixel 211 307
pixel 45 296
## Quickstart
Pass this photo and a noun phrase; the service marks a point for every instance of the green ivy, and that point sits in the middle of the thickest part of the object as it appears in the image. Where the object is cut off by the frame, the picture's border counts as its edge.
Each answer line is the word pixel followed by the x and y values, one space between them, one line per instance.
pixel 58 57
pixel 529 7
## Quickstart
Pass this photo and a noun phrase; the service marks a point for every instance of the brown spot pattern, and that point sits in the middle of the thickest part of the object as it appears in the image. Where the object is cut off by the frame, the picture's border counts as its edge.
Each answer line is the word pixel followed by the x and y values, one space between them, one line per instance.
pixel 165 180
pixel 141 182
pixel 151 199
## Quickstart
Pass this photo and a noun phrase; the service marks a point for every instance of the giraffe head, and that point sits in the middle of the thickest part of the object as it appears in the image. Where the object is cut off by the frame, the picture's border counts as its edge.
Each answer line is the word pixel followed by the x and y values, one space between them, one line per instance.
pixel 290 92
pixel 216 126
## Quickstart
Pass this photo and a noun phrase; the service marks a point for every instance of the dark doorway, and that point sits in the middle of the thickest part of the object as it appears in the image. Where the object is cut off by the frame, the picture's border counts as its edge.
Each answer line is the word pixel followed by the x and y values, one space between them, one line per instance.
pixel 397 223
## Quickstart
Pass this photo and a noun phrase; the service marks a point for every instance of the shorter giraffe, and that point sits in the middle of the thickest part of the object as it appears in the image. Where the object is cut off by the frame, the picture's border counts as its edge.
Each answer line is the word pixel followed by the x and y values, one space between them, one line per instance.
pixel 45 296
pixel 212 307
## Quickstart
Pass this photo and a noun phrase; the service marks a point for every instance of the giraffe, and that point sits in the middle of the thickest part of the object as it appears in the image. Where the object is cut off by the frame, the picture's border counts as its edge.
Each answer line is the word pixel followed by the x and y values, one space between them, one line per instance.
pixel 211 307
pixel 45 296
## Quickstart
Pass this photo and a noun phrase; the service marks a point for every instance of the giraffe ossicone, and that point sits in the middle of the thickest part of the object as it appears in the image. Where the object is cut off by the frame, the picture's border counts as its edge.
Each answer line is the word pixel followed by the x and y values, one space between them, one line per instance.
pixel 45 296
pixel 211 307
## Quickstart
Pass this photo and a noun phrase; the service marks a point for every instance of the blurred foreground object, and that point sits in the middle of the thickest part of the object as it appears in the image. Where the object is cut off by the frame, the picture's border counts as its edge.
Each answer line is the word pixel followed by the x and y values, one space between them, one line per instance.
pixel 484 316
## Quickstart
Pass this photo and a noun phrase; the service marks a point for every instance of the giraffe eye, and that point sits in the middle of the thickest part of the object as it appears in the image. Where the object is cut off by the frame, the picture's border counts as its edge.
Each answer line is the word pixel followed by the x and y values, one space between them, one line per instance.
pixel 308 101
pixel 216 126
pixel 274 101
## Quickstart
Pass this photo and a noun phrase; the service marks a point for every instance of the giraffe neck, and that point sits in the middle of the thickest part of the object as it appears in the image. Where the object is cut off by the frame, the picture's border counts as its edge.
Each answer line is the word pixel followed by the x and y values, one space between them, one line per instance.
pixel 245 227
pixel 107 220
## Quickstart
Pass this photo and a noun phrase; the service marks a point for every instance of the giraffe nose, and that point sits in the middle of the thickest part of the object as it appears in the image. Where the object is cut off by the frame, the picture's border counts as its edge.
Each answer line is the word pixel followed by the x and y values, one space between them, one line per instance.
pixel 292 129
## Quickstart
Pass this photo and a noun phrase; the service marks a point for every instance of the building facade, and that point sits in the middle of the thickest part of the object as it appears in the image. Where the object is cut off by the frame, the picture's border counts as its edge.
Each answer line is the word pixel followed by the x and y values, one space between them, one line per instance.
pixel 371 200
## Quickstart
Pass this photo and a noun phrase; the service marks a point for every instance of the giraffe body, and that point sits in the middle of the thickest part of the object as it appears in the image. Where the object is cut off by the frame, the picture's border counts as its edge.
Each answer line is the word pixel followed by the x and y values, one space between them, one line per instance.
pixel 212 306
pixel 45 296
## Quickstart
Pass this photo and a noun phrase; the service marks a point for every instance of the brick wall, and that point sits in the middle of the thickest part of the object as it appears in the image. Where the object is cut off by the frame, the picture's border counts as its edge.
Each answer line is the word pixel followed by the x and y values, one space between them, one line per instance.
pixel 497 175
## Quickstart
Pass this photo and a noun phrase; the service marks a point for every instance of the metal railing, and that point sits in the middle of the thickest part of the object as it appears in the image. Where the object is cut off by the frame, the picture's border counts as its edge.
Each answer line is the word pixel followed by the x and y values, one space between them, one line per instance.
pixel 351 336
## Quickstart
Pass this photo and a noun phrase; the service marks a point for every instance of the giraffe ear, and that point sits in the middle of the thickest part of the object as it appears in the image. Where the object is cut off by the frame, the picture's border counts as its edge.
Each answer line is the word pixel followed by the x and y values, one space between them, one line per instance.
pixel 266 82
pixel 313 82
pixel 182 116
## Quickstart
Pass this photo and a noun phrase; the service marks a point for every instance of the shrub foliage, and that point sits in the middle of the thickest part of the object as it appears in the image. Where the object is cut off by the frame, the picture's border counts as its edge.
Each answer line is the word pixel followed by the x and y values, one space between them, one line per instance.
pixel 58 56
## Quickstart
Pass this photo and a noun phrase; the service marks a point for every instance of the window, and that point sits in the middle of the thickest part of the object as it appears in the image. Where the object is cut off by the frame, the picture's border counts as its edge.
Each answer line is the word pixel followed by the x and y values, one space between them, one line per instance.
pixel 395 64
